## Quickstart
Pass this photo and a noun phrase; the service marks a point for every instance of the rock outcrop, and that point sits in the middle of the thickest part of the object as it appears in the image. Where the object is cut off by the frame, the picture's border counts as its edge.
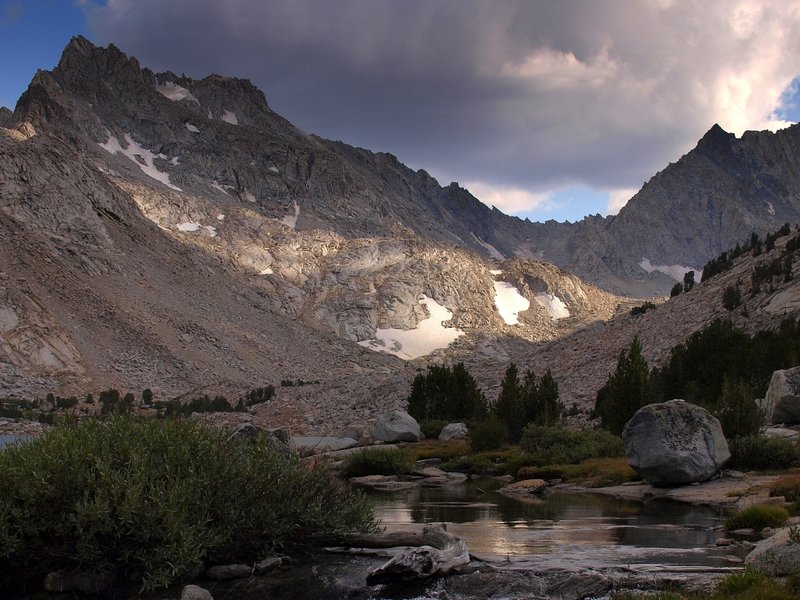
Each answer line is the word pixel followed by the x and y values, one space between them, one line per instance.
pixel 674 443
pixel 454 431
pixel 782 402
pixel 778 555
pixel 395 426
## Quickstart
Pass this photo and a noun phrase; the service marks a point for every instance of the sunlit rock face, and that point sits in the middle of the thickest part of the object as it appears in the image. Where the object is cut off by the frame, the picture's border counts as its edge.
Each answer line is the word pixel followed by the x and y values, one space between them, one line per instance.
pixel 163 232
pixel 195 236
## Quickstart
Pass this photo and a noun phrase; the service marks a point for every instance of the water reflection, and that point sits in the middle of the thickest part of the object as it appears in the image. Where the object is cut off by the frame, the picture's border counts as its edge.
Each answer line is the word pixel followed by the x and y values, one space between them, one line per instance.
pixel 570 531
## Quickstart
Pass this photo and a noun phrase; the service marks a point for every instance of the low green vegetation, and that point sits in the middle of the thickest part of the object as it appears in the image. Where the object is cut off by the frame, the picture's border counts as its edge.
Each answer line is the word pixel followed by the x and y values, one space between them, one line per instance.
pixel 378 461
pixel 559 446
pixel 593 472
pixel 788 487
pixel 759 452
pixel 151 499
pixel 744 585
pixel 487 435
pixel 758 517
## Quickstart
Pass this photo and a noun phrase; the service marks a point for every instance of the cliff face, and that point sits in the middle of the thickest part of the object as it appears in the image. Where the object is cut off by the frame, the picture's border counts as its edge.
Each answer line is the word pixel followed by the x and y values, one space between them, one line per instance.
pixel 179 235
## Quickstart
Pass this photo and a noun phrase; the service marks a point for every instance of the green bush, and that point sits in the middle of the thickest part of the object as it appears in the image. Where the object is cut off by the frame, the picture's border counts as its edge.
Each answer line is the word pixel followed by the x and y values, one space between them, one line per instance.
pixel 558 446
pixel 432 427
pixel 469 464
pixel 759 452
pixel 788 487
pixel 487 435
pixel 378 461
pixel 152 499
pixel 757 517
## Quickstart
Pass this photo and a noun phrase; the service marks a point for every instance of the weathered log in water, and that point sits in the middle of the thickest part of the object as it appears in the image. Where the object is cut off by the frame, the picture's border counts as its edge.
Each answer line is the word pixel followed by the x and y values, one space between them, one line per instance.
pixel 432 552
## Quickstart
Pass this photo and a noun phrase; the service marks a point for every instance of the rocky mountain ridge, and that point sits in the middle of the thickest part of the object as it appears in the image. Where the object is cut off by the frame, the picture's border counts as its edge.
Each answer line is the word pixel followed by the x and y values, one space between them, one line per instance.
pixel 162 232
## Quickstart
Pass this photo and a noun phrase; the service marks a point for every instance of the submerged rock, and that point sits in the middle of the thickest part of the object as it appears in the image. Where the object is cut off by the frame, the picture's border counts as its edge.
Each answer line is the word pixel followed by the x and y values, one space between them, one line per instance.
pixel 675 443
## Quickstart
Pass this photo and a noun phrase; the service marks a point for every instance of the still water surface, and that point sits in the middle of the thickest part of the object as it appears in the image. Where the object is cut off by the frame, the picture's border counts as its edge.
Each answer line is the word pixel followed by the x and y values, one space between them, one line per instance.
pixel 566 531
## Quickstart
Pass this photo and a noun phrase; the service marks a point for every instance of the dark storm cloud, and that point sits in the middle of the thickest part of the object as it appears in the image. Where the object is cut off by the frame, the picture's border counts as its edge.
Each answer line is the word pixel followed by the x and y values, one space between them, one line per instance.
pixel 503 94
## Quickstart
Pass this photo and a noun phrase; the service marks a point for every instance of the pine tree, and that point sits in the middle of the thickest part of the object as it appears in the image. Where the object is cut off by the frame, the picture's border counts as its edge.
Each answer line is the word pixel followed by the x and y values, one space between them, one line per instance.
pixel 508 406
pixel 626 391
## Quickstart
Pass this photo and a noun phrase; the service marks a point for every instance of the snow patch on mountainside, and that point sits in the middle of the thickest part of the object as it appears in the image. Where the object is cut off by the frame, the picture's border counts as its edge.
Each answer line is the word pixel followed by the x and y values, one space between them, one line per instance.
pixel 554 306
pixel 192 226
pixel 509 302
pixel 192 128
pixel 230 117
pixel 291 220
pixel 675 271
pixel 429 335
pixel 175 92
pixel 141 156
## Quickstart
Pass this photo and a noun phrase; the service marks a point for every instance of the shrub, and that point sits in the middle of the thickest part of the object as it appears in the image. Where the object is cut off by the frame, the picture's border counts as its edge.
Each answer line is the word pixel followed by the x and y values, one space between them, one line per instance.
pixel 151 499
pixel 758 517
pixel 439 449
pixel 487 435
pixel 763 453
pixel 732 297
pixel 378 461
pixel 788 487
pixel 558 446
pixel 432 427
pixel 469 464
pixel 642 308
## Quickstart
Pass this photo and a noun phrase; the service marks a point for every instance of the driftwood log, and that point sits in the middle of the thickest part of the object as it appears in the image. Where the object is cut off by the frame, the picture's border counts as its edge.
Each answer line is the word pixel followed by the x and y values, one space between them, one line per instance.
pixel 433 551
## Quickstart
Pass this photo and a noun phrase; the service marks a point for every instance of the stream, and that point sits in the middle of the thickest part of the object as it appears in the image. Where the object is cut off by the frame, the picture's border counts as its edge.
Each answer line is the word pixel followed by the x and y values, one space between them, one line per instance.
pixel 564 546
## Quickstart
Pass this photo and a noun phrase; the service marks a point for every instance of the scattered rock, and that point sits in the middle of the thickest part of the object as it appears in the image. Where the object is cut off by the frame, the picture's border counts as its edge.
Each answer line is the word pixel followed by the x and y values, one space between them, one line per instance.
pixel 454 431
pixel 526 488
pixel 674 443
pixel 224 572
pixel 267 565
pixel 319 444
pixel 85 583
pixel 195 592
pixel 396 426
pixel 782 403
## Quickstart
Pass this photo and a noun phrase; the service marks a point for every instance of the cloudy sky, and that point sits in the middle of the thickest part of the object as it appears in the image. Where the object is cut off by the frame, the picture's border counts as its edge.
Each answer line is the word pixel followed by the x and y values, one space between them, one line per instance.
pixel 544 108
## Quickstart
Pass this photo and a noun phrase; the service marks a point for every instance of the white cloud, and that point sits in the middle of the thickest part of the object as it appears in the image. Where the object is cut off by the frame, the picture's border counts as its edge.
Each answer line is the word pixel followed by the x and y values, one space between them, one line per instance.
pixel 619 198
pixel 474 90
pixel 508 199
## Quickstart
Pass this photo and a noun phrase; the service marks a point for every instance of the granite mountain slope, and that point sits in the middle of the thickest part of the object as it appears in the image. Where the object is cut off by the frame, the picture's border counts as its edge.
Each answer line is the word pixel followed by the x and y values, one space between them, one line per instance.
pixel 179 235
pixel 164 232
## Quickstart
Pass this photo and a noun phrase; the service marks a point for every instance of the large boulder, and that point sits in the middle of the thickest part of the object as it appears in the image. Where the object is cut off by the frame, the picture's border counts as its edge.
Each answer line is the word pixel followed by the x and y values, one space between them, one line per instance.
pixel 674 443
pixel 782 403
pixel 396 426
pixel 454 431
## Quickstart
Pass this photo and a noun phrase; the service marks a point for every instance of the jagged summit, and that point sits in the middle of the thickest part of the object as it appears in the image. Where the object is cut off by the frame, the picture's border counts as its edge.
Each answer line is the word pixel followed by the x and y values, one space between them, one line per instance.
pixel 165 232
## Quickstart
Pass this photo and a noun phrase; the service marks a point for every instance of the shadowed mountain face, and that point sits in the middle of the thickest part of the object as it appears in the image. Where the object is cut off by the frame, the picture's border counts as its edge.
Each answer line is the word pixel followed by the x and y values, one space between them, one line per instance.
pixel 162 232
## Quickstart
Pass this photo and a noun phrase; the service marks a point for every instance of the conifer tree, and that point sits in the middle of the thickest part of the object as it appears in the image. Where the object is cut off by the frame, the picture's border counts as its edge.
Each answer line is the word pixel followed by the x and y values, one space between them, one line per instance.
pixel 626 391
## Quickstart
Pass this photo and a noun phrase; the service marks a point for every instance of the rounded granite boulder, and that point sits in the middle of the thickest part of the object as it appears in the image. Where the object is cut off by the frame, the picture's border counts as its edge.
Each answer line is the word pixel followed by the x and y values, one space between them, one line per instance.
pixel 674 443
